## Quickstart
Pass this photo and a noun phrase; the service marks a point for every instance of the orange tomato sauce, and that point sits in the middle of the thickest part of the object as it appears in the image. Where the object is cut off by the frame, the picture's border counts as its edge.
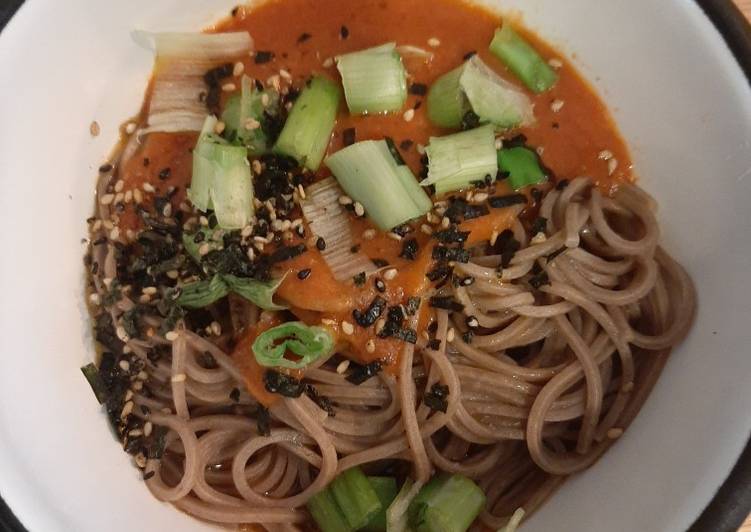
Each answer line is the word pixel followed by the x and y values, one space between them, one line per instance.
pixel 569 139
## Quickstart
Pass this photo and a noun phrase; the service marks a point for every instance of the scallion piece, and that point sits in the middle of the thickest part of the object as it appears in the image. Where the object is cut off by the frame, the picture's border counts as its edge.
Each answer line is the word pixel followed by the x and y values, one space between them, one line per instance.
pixel 386 490
pixel 522 59
pixel 522 166
pixel 447 103
pixel 307 132
pixel 326 513
pixel 259 292
pixel 306 342
pixel 455 161
pixel 492 98
pixel 221 179
pixel 374 80
pixel 355 497
pixel 243 115
pixel 201 294
pixel 368 173
pixel 446 504
pixel 192 247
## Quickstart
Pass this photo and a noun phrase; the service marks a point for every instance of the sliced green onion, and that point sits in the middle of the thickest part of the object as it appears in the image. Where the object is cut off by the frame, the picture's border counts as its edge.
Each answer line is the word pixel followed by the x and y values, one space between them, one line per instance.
pixel 492 98
pixel 221 179
pixel 326 513
pixel 306 342
pixel 455 161
pixel 307 132
pixel 243 115
pixel 522 59
pixel 447 103
pixel 260 293
pixel 514 522
pixel 202 293
pixel 522 165
pixel 374 80
pixel 355 497
pixel 91 373
pixel 368 173
pixel 386 490
pixel 446 504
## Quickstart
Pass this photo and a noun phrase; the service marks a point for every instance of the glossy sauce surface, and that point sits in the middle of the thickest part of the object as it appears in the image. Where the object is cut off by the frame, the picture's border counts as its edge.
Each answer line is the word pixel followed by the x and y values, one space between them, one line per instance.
pixel 304 36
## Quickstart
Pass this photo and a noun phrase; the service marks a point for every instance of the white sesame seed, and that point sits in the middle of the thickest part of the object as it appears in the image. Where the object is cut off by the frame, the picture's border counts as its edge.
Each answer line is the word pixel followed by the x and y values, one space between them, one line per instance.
pixel 498 143
pixel 256 165
pixel 127 409
pixel 425 228
pixel 285 74
pixel 229 87
pixel 557 105
pixel 144 298
pixel 107 199
pixel 445 222
pixel 96 226
pixel 370 346
pixel 124 365
pixel 390 274
pixel 434 42
pixel 615 433
pixel 204 249
pixel 247 231
pixel 140 460
pixel 473 323
pixel 148 187
pixel 493 237
pixel 328 321
pixel 171 336
pixel 216 328
pixel 394 236
pixel 301 191
pixel 359 209
pixel 219 127
pixel 137 195
pixel 348 328
pixel 380 324
pixel 238 69
pixel 539 238
pixel 369 234
pixel 540 150
pixel 345 200
pixel 95 299
pixel 450 335
pixel 605 155
pixel 612 165
pixel 128 197
pixel 135 433
pixel 479 197
pixel 118 197
pixel 342 367
pixel 203 221
pixel 138 386
pixel 94 129
pixel 409 114
pixel 252 123
pixel 328 62
pixel 115 233
pixel 147 428
pixel 130 128
pixel 555 63
pixel 431 218
pixel 251 254
pixel 180 377
pixel 274 81
pixel 129 393
pixel 119 185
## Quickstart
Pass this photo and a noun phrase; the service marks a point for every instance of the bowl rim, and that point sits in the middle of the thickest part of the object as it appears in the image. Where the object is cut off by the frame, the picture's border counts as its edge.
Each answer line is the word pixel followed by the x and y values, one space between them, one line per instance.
pixel 731 504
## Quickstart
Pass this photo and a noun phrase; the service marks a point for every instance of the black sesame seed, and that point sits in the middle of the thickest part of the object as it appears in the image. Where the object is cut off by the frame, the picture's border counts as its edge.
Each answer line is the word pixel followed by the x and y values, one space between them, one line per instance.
pixel 472 322
pixel 148 475
pixel 235 395
pixel 434 344
pixel 164 173
pixel 344 32
pixel 419 89
pixel 105 168
pixel 146 161
pixel 380 285
pixel 303 37
pixel 320 243
pixel 263 56
pixel 303 274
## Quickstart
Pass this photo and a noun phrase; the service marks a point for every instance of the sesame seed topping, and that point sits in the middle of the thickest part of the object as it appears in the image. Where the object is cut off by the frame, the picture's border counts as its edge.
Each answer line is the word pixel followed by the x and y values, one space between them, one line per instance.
pixel 119 185
pixel 425 228
pixel 328 321
pixel 148 187
pixel 204 249
pixel 359 209
pixel 420 149
pixel 394 236
pixel 171 336
pixel 342 367
pixel 380 324
pixel 238 69
pixel 127 409
pixel 557 105
pixel 345 200
pixel 130 128
pixel 390 274
pixel 370 346
pixel 107 199
pixel 612 165
pixel 285 74
pixel 409 114
pixel 605 155
pixel 328 62
pixel 348 328
pixel 147 428
pixel 95 299
pixel 301 191
pixel 180 377
pixel 229 87
pixel 151 290
pixel 137 195
pixel 434 42
pixel 493 237
pixel 450 335
pixel 369 234
pixel 480 197
pixel 124 365
pixel 555 63
pixel 252 123
pixel 445 222
pixel 216 328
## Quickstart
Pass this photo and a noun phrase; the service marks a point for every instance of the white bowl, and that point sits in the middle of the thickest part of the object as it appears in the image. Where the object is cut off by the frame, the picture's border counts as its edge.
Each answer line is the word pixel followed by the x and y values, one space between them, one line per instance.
pixel 681 101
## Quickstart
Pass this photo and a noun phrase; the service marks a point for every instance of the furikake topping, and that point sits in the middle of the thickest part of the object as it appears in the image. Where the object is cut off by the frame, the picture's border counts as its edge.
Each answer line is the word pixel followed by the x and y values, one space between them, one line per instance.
pixel 459 210
pixel 323 402
pixel 446 303
pixel 394 326
pixel 359 279
pixel 538 226
pixel 508 246
pixel 263 421
pixel 501 202
pixel 360 374
pixel 437 397
pixel 550 258
pixel 371 314
pixel 451 236
pixel 434 344
pixel 409 249
pixel 282 384
pixel 412 306
pixel 263 56
pixel 379 263
pixel 443 253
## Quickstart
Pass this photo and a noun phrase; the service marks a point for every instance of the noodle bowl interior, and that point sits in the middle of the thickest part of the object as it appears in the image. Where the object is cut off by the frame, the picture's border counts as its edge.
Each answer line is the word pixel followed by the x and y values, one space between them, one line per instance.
pixel 373 265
